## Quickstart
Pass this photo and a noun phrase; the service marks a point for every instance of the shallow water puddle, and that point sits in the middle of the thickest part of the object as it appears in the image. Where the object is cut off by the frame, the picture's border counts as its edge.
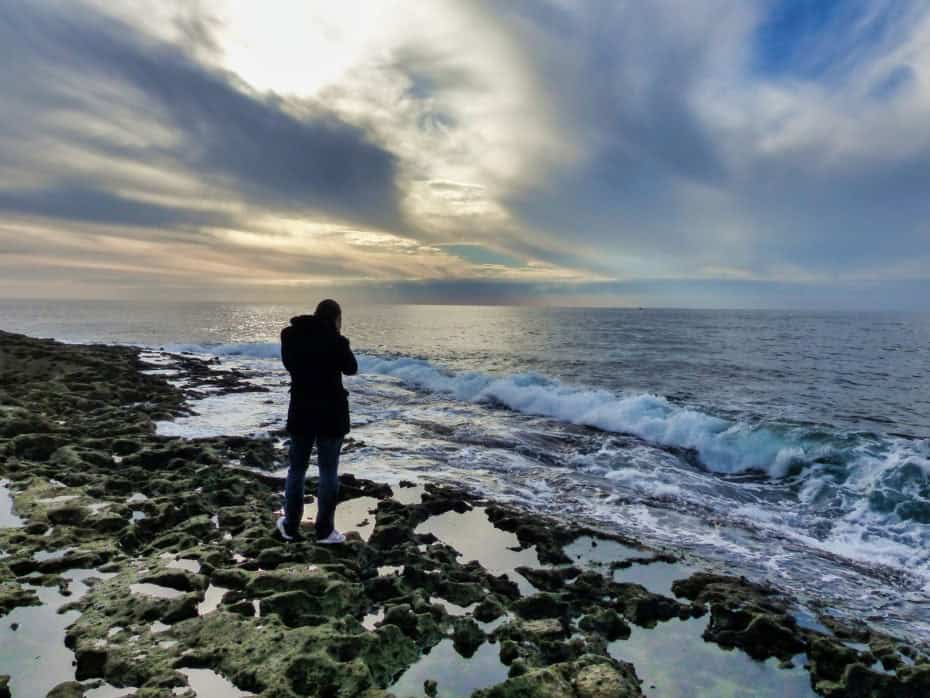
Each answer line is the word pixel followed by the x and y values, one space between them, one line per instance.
pixel 7 518
pixel 407 495
pixel 211 600
pixel 208 684
pixel 185 563
pixel 351 515
pixel 657 577
pixel 879 668
pixel 807 619
pixel 907 660
pixel 108 691
pixel 492 625
pixel 155 591
pixel 674 662
pixel 372 619
pixel 161 372
pixel 453 609
pixel 43 555
pixel 390 570
pixel 456 675
pixel 476 538
pixel 34 655
pixel 599 552
pixel 860 647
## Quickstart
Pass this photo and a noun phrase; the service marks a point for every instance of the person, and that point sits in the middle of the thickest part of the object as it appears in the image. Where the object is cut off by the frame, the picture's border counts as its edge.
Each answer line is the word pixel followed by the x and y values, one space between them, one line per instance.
pixel 316 355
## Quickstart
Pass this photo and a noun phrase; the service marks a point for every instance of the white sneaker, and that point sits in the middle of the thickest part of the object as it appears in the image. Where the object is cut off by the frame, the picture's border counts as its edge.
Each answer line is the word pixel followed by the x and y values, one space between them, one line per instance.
pixel 280 526
pixel 332 539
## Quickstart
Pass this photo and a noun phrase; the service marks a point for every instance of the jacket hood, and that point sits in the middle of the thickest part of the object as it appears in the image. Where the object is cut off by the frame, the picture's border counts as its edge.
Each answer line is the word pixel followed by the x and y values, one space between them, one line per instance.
pixel 311 323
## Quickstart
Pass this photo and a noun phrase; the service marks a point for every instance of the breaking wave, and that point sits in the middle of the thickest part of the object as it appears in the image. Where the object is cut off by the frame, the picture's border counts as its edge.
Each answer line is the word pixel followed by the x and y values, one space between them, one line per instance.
pixel 879 467
pixel 890 471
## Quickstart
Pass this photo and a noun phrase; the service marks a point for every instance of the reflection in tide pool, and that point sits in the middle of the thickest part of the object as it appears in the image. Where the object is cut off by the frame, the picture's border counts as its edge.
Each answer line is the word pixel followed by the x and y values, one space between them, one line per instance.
pixel 657 577
pixel 674 661
pixel 7 518
pixel 34 655
pixel 186 564
pixel 476 538
pixel 408 495
pixel 208 684
pixel 155 591
pixel 105 690
pixel 455 675
pixel 351 515
pixel 588 551
pixel 211 599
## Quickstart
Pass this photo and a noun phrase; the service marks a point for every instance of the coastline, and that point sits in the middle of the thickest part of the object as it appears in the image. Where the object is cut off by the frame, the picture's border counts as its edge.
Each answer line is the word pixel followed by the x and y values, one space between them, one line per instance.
pixel 190 578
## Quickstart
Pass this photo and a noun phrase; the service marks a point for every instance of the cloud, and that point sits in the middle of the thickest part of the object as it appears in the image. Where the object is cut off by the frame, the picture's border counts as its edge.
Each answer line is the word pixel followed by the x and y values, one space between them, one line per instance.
pixel 71 61
pixel 616 150
pixel 78 203
pixel 696 154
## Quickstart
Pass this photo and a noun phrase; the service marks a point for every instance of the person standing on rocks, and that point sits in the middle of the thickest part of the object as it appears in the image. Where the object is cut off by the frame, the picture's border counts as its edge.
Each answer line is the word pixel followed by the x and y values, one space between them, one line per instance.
pixel 316 355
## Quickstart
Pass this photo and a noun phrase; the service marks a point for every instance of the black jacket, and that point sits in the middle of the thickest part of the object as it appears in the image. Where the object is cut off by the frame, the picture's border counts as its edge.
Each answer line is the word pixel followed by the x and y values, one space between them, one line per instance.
pixel 316 356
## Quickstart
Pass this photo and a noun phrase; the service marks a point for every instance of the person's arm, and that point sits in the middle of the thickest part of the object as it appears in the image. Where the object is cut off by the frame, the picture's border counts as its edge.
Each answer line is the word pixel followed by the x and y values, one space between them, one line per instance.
pixel 287 352
pixel 348 363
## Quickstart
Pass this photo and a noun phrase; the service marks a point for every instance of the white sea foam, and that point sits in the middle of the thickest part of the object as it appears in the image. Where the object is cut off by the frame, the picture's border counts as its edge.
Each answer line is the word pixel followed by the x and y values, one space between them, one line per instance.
pixel 722 446
pixel 255 350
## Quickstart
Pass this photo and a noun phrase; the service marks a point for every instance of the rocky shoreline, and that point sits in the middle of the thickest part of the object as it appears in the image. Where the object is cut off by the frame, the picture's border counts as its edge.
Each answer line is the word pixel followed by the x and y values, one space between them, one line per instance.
pixel 154 561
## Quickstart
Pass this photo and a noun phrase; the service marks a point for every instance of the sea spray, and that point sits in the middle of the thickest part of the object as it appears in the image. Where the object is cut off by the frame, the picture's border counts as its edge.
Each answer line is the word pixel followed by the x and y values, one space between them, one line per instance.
pixel 722 446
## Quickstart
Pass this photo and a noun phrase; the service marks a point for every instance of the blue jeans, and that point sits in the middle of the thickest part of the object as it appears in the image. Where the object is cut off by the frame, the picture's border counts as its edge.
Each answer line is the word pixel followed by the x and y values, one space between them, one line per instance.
pixel 328 492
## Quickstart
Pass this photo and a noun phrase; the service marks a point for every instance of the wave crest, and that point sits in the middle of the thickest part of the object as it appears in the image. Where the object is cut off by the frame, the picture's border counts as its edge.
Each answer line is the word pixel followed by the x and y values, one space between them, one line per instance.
pixel 722 446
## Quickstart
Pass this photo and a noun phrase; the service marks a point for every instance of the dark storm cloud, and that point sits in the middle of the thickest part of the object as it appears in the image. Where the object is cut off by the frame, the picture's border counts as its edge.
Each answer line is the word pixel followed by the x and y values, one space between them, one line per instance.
pixel 626 90
pixel 851 221
pixel 905 296
pixel 74 202
pixel 274 154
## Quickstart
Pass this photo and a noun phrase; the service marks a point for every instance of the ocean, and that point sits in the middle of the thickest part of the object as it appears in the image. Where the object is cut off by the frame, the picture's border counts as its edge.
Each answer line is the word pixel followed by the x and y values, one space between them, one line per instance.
pixel 790 447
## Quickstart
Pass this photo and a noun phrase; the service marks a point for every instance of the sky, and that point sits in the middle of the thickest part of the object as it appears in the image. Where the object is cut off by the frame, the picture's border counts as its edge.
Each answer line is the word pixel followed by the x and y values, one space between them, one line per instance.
pixel 723 153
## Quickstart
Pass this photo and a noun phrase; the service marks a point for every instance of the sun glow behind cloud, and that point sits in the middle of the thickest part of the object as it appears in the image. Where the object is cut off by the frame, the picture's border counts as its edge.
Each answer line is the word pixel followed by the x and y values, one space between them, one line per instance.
pixel 296 47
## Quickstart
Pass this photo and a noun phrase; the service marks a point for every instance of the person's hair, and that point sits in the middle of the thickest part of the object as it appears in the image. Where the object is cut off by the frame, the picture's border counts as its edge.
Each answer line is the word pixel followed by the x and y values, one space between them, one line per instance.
pixel 328 310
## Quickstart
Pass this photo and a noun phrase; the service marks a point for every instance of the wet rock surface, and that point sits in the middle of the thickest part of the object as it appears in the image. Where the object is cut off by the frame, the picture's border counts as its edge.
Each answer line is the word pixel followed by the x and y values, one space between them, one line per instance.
pixel 182 577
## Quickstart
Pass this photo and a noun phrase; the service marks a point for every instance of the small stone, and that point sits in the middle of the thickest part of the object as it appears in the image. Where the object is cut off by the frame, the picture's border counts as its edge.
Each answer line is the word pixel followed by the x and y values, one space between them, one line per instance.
pixel 431 688
pixel 66 515
pixel 510 651
pixel 68 689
